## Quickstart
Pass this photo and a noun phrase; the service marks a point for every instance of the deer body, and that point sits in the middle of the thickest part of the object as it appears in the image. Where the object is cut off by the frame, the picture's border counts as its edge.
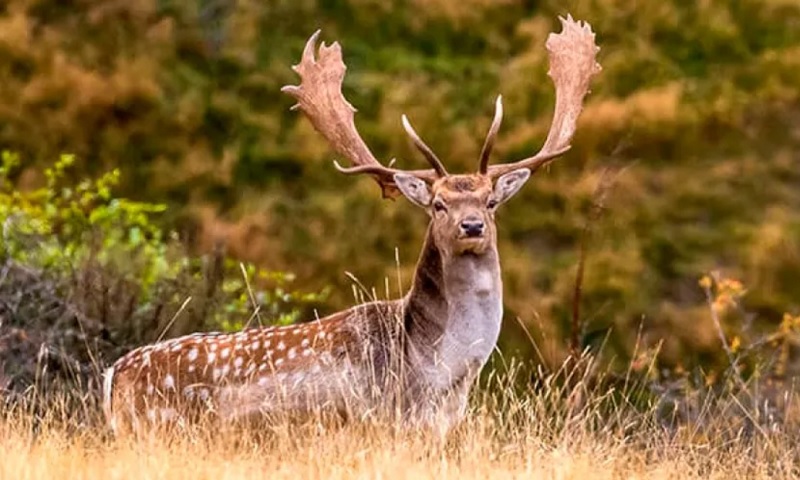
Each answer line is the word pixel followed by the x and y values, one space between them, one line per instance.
pixel 236 375
pixel 416 357
pixel 420 354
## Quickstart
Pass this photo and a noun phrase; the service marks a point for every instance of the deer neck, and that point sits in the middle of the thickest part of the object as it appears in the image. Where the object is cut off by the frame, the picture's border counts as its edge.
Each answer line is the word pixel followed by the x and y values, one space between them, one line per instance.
pixel 453 313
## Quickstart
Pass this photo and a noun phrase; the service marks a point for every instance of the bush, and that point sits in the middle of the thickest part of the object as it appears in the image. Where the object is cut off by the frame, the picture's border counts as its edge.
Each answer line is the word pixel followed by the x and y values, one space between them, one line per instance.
pixel 87 276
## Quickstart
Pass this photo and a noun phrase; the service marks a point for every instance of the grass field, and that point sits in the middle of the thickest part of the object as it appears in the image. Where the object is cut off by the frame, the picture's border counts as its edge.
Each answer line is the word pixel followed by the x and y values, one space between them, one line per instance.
pixel 579 432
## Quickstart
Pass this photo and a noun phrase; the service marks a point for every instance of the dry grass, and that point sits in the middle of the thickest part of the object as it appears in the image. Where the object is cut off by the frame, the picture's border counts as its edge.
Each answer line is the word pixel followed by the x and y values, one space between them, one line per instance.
pixel 544 432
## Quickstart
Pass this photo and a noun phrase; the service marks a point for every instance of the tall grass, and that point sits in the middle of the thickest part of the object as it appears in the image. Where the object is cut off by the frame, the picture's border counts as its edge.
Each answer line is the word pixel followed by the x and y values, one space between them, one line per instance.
pixel 573 423
pixel 585 419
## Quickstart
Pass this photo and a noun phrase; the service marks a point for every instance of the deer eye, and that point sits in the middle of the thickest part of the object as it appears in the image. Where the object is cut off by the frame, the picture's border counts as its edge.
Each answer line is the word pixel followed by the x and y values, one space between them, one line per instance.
pixel 439 206
pixel 492 203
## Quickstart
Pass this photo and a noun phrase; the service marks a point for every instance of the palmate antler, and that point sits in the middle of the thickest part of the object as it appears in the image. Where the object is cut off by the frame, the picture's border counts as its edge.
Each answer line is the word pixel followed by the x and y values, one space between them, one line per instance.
pixel 572 64
pixel 320 97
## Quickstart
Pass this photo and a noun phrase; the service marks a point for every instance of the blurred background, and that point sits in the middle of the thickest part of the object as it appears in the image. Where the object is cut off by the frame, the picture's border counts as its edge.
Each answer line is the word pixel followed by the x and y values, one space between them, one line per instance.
pixel 686 161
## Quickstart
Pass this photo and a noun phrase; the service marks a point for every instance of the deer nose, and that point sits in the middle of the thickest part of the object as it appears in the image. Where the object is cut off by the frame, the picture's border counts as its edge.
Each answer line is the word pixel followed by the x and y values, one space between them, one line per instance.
pixel 472 227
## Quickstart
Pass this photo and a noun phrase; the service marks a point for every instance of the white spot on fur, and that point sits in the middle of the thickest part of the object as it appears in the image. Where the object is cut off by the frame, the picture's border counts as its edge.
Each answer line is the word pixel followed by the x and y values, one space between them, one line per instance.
pixel 278 362
pixel 191 368
pixel 255 345
pixel 238 362
pixel 321 335
pixel 292 353
pixel 305 342
pixel 168 414
pixel 169 382
pixel 281 345
pixel 307 352
pixel 225 352
pixel 150 389
pixel 192 356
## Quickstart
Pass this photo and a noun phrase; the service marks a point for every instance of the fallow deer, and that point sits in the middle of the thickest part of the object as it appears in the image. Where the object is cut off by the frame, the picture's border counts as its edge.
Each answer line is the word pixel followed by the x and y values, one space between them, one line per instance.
pixel 417 356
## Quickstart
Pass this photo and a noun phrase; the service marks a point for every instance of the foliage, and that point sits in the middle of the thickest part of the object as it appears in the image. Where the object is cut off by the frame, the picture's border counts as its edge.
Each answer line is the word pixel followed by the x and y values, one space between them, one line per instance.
pixel 751 348
pixel 61 226
pixel 756 362
pixel 697 101
pixel 86 275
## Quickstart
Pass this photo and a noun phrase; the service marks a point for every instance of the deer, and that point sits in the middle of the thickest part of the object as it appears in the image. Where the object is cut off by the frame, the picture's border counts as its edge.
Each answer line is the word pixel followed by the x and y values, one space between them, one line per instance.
pixel 416 357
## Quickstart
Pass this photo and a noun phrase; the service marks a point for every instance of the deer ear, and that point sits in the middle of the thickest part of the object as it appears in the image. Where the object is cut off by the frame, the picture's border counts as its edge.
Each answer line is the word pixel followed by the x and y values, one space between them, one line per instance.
pixel 510 183
pixel 413 188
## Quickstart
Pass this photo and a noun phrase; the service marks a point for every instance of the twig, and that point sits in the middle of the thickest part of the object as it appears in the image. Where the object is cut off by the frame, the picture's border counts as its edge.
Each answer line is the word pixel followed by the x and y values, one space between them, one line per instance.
pixel 174 317
pixel 734 364
pixel 598 206
pixel 256 306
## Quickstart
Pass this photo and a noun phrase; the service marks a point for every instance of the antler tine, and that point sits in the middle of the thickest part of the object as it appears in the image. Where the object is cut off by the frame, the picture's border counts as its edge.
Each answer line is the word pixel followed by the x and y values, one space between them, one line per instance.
pixel 486 152
pixel 423 148
pixel 319 96
pixel 572 65
pixel 428 175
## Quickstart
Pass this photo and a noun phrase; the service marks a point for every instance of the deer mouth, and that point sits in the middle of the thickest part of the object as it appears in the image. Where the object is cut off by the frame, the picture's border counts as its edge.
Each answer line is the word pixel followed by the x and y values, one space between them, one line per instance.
pixel 471 244
pixel 471 237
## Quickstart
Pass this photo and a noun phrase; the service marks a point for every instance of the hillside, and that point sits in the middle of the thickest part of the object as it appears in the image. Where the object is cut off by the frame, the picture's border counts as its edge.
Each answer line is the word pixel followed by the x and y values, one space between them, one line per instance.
pixel 694 117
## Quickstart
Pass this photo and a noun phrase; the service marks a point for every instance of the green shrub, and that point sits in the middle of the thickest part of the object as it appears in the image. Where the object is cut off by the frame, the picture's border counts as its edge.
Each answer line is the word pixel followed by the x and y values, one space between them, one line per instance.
pixel 85 276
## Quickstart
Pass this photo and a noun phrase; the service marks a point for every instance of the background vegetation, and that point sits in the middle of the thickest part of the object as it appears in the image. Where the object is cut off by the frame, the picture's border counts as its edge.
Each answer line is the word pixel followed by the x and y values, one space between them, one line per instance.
pixel 153 182
pixel 696 115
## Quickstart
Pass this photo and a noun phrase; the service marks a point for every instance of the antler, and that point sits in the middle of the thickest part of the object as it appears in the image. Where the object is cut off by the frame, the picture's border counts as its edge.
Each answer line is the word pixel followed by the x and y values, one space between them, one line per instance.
pixel 320 97
pixel 486 152
pixel 572 65
pixel 423 148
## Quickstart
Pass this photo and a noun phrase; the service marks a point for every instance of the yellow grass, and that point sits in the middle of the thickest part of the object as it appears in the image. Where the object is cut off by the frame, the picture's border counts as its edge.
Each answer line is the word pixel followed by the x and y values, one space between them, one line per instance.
pixel 578 432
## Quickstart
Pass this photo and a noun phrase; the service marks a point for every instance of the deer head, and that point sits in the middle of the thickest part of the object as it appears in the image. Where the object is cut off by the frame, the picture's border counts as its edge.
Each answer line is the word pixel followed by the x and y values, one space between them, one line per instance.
pixel 461 207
